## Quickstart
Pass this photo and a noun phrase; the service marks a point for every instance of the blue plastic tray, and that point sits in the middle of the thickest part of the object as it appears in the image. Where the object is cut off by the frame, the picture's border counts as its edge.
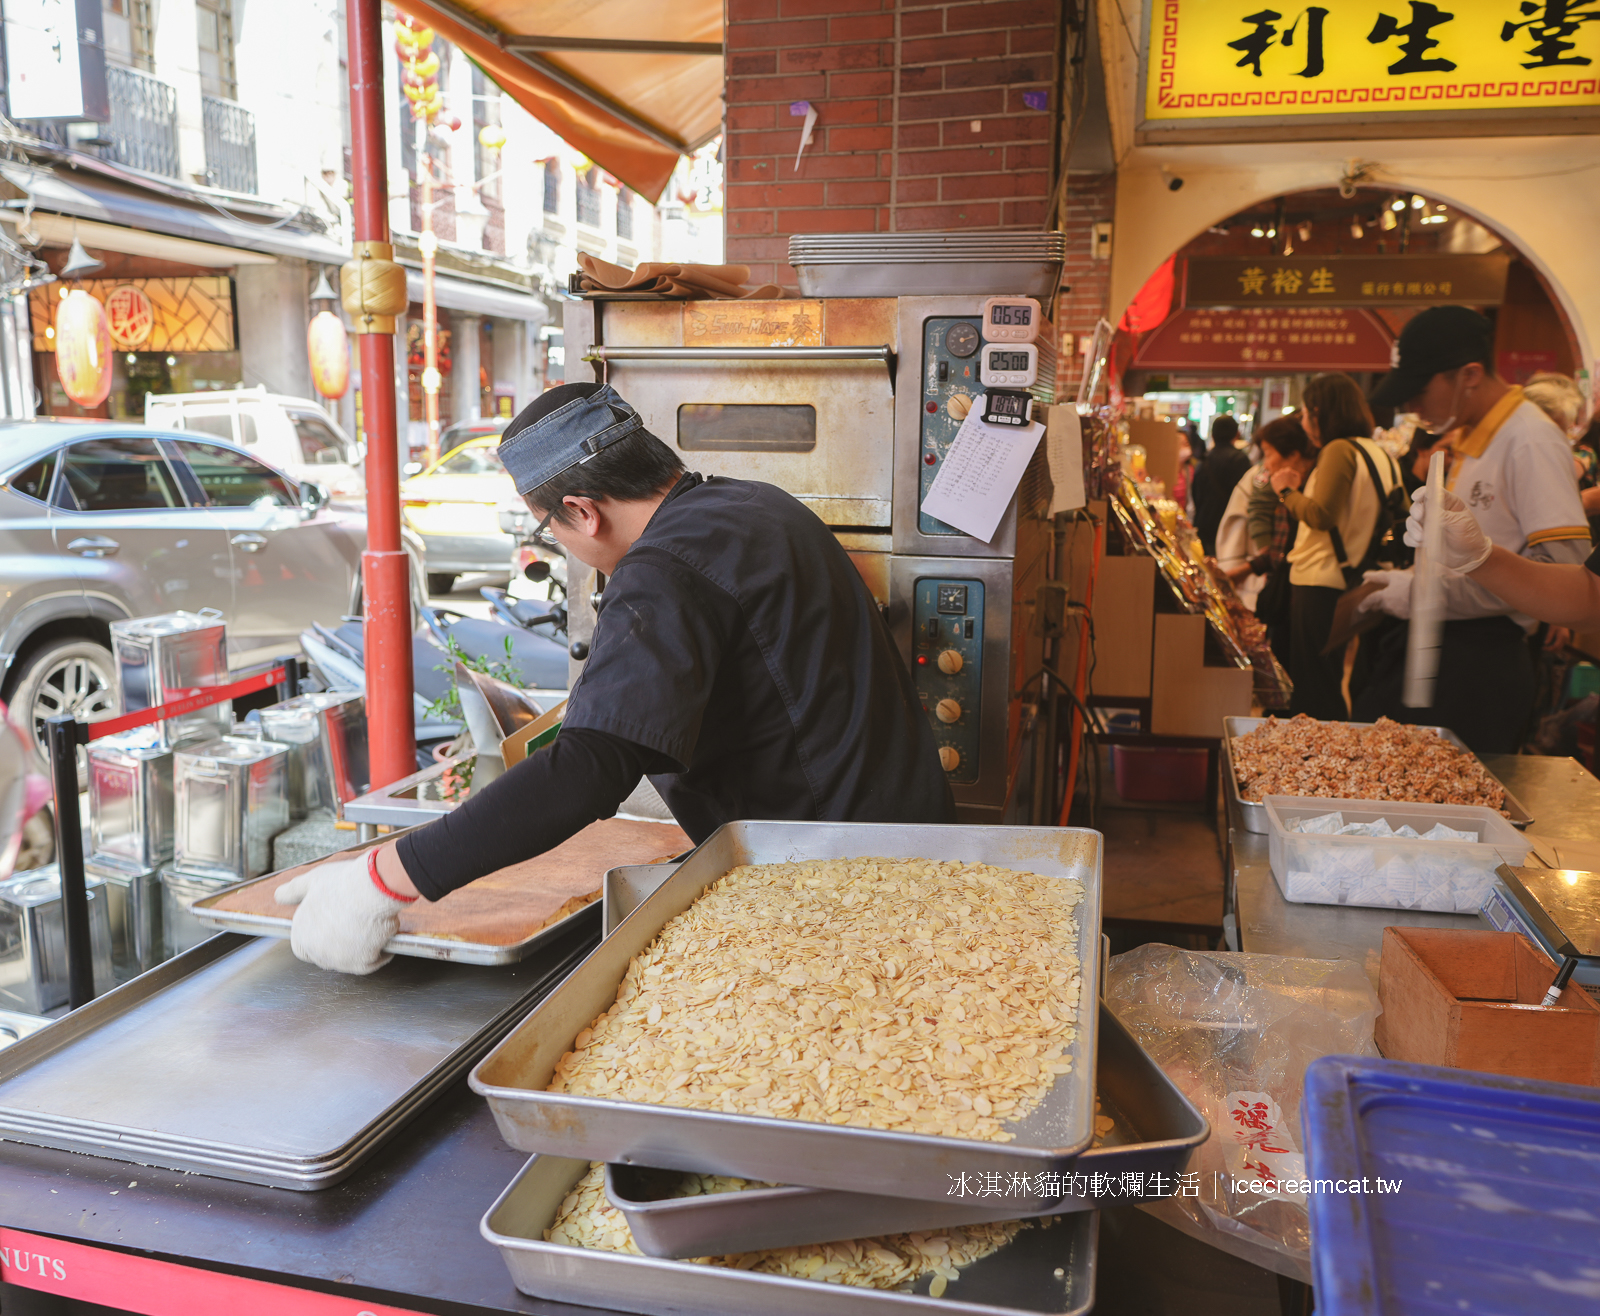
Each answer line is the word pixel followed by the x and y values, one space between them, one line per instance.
pixel 1498 1210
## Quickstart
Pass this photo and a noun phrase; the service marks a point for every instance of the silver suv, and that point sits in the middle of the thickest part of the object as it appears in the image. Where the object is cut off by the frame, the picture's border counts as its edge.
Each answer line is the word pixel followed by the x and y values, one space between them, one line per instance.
pixel 102 521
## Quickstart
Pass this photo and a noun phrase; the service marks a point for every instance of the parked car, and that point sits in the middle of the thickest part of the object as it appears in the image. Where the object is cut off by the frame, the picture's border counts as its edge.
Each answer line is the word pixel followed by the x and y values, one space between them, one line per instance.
pixel 103 521
pixel 294 434
pixel 452 505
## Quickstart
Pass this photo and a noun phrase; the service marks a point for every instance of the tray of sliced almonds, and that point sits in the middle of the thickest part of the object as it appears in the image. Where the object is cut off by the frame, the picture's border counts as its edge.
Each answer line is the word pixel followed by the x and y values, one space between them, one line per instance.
pixel 562 1240
pixel 866 1007
pixel 1145 1132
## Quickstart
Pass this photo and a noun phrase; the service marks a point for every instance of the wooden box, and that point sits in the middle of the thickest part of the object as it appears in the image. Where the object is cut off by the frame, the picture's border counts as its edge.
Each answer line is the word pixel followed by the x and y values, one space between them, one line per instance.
pixel 1470 1000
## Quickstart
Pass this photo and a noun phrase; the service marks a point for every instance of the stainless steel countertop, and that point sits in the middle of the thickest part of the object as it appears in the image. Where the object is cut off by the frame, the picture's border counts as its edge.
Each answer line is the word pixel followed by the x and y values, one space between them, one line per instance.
pixel 1562 796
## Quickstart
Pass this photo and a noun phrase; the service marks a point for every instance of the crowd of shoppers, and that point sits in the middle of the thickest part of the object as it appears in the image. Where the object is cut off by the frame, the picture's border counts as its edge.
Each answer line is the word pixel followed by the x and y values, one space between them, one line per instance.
pixel 1319 521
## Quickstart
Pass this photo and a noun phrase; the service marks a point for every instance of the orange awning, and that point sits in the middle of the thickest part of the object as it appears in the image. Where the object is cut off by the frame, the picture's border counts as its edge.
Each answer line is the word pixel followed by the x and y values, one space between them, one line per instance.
pixel 632 104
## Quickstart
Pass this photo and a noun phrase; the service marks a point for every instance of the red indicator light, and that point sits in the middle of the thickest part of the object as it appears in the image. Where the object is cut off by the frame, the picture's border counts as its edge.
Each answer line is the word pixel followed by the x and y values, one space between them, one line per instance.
pixel 932 408
pixel 931 459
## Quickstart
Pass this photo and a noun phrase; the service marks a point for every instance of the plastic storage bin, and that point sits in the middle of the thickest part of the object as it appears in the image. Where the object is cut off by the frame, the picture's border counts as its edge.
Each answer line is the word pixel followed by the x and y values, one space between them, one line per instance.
pixel 1154 775
pixel 1497 1208
pixel 1390 872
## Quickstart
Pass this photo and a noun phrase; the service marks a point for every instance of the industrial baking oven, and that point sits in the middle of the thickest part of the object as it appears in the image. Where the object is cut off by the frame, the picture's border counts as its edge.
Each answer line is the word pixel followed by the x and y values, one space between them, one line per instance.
pixel 851 404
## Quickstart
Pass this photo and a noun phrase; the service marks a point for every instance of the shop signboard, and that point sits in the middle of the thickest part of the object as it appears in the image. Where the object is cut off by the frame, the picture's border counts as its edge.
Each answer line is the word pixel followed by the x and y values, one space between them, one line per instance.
pixel 1283 341
pixel 190 313
pixel 1358 67
pixel 1267 280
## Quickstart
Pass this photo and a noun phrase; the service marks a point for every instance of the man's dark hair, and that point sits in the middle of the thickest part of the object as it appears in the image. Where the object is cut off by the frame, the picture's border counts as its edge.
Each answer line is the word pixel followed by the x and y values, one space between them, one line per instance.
pixel 1224 430
pixel 1341 412
pixel 1286 437
pixel 633 468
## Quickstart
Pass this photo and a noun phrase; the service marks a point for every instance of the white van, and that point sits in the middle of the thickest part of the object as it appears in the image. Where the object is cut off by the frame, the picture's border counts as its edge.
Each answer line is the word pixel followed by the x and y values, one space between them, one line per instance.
pixel 294 434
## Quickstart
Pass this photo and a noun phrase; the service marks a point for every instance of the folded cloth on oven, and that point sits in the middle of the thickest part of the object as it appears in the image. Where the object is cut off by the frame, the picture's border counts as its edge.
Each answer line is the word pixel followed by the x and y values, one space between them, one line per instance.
pixel 688 282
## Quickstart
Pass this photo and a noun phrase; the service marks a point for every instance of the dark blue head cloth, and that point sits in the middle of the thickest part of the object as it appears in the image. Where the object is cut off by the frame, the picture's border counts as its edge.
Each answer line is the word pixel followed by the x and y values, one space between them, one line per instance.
pixel 564 428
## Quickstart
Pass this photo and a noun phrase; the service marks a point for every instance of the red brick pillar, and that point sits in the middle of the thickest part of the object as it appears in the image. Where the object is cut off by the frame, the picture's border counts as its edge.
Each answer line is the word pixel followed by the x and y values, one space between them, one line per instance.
pixel 930 116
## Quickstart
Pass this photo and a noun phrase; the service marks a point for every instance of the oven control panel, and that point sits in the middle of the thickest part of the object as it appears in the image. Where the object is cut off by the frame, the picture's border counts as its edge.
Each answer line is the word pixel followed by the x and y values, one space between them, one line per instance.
pixel 947 667
pixel 951 352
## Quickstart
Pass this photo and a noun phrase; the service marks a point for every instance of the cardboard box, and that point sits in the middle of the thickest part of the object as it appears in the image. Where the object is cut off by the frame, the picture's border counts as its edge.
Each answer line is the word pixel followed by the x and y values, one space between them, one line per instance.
pixel 1159 439
pixel 1470 1000
pixel 536 735
pixel 1187 698
pixel 1124 626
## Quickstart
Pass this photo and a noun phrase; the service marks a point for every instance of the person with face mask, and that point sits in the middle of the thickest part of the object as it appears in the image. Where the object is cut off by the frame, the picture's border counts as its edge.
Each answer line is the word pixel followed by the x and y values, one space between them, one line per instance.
pixel 1512 468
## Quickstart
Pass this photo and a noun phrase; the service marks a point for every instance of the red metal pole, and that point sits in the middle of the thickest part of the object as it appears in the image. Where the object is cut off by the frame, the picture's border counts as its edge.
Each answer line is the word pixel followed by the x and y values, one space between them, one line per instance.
pixel 385 569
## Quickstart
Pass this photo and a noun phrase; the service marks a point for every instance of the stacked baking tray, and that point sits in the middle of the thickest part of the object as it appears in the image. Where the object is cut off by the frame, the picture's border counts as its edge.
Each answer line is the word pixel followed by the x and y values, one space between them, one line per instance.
pixel 907 1175
pixel 1020 262
pixel 237 1060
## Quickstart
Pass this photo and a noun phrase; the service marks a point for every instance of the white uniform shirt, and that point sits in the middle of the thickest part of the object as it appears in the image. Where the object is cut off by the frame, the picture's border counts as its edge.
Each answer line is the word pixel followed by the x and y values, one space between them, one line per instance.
pixel 1514 471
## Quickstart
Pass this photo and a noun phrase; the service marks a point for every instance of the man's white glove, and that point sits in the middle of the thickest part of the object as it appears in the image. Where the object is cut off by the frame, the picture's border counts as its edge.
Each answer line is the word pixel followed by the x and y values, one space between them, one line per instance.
pixel 1466 547
pixel 344 921
pixel 1395 596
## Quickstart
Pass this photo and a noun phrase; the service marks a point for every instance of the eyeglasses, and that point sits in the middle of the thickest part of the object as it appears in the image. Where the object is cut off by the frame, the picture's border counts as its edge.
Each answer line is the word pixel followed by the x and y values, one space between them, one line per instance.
pixel 542 535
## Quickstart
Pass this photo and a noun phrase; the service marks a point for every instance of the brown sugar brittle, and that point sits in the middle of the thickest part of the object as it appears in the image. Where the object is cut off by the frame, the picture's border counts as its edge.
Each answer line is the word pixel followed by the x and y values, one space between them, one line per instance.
pixel 1341 760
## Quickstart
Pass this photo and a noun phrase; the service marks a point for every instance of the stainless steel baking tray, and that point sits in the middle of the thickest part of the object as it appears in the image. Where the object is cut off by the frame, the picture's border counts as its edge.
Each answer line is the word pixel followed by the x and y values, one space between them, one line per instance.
pixel 514 1076
pixel 626 888
pixel 1156 1130
pixel 1043 1270
pixel 1255 814
pixel 237 1060
pixel 412 944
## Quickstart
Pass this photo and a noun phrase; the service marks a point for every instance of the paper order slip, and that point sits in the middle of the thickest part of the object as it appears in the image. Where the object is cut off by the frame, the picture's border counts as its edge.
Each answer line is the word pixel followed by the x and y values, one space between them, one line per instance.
pixel 980 473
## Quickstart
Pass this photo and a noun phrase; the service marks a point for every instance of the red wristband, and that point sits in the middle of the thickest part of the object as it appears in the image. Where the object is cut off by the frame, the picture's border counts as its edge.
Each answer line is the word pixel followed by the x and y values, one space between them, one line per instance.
pixel 372 872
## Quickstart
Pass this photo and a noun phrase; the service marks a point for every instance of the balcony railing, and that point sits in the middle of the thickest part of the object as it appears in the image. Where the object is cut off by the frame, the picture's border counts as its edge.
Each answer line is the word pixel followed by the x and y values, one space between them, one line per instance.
pixel 144 122
pixel 230 131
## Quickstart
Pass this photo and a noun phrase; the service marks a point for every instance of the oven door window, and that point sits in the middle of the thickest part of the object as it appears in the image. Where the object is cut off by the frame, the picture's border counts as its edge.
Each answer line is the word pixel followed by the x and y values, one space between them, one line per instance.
pixel 746 427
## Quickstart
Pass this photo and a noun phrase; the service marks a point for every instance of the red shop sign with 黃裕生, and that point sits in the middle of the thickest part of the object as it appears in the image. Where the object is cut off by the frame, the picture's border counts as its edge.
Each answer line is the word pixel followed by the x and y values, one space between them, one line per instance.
pixel 1269 339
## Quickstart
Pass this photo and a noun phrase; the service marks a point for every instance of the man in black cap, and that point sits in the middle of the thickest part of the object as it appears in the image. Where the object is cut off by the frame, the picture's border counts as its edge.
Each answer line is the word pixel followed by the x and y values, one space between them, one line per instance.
pixel 1513 468
pixel 738 660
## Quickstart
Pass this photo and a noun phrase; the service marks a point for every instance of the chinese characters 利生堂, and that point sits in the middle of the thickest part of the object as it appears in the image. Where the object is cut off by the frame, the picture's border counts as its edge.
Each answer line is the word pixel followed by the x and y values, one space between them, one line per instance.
pixel 1549 25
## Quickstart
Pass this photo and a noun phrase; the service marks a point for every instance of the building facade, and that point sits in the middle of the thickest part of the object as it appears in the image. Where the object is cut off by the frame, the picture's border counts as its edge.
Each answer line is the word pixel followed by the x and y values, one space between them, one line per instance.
pixel 214 179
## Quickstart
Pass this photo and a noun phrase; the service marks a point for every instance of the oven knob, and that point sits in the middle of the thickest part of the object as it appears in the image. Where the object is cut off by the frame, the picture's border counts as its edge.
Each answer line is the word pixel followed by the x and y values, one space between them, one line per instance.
pixel 950 662
pixel 958 406
pixel 949 757
pixel 947 710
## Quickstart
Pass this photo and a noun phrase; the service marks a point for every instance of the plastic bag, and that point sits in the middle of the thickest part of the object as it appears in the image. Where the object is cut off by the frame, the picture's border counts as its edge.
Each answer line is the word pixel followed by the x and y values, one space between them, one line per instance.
pixel 1236 1032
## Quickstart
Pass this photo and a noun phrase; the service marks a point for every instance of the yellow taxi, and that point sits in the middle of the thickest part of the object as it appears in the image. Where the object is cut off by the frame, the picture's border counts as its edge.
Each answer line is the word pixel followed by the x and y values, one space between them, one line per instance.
pixel 452 503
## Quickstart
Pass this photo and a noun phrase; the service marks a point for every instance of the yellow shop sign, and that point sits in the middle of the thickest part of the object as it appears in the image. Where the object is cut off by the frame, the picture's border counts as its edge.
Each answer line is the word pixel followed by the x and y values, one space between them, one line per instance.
pixel 1209 61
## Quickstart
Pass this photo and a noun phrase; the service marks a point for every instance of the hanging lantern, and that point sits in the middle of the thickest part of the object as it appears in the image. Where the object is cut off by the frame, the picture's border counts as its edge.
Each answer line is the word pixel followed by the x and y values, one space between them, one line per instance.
pixel 83 349
pixel 328 349
pixel 492 137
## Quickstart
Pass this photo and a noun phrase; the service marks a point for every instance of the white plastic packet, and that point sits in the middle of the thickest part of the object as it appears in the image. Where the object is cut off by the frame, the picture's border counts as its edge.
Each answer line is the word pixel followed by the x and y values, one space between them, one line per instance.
pixel 1235 1033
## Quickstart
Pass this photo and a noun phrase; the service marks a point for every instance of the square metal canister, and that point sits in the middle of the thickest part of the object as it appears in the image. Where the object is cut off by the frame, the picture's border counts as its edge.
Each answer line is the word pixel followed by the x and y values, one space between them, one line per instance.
pixel 163 658
pixel 33 940
pixel 181 930
pixel 130 799
pixel 232 799
pixel 327 739
pixel 133 905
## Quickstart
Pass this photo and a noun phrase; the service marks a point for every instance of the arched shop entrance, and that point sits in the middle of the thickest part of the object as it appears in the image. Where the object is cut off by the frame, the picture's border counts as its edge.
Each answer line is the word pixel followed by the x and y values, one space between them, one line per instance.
pixel 1317 280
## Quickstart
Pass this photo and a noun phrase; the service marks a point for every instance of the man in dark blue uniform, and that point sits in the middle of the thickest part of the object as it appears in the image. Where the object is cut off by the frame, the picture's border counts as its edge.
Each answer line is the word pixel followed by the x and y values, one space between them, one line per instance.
pixel 738 661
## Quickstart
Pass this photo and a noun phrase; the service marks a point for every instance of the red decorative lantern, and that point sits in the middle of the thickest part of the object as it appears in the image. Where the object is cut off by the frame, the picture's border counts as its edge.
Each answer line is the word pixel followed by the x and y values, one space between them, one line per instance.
pixel 328 347
pixel 83 349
